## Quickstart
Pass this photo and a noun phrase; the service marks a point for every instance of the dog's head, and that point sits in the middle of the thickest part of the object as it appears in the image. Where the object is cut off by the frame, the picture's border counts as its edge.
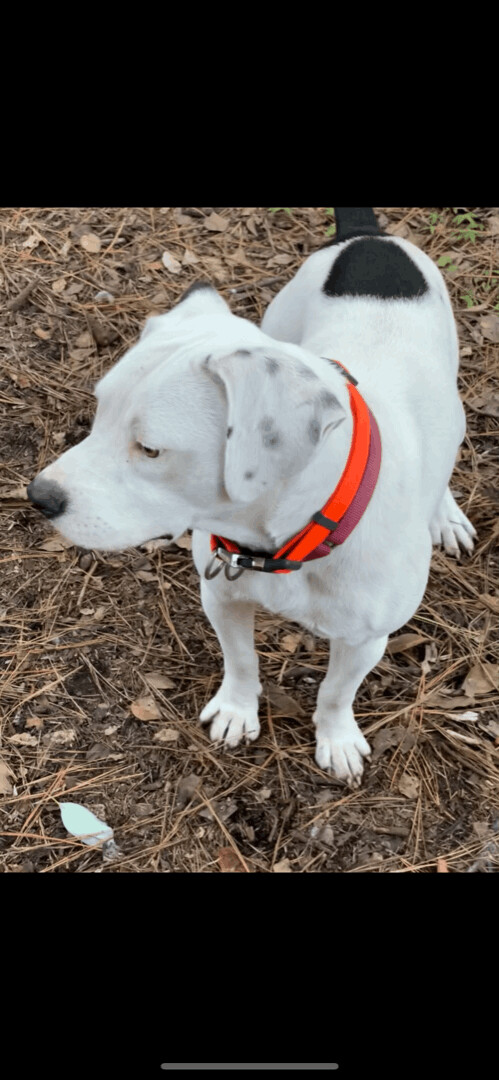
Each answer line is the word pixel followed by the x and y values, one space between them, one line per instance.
pixel 204 414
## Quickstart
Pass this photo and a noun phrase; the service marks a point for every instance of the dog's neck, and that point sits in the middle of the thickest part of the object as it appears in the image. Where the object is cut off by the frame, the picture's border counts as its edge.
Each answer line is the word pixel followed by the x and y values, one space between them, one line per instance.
pixel 266 524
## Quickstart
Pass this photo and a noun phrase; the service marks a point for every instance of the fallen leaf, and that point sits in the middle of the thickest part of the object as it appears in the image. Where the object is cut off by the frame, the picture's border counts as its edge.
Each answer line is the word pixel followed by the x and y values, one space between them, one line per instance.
pixel 90 242
pixel 470 717
pixel 281 260
pixel 404 642
pixel 158 681
pixel 189 258
pixel 215 223
pixel 166 735
pixel 97 752
pixel 57 543
pixel 59 738
pixel 145 708
pixel 180 218
pixel 44 335
pixel 23 739
pixel 81 823
pixel 282 704
pixel 184 542
pixel 101 333
pixel 282 867
pixel 489 326
pixel 430 655
pixel 187 788
pixel 263 794
pixel 157 545
pixel 13 493
pixel 34 722
pixel 214 269
pixel 111 730
pixel 437 700
pixel 229 862
pixel 409 786
pixel 170 262
pixel 326 835
pixel 481 679
pixel 392 736
pixel 5 783
pixel 146 575
pixel 160 298
pixel 84 340
pixel 486 403
pixel 290 642
pixel 78 355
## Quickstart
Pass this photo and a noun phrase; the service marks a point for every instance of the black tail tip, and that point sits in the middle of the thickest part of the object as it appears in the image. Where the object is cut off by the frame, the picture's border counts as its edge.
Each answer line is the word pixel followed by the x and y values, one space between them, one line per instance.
pixel 355 221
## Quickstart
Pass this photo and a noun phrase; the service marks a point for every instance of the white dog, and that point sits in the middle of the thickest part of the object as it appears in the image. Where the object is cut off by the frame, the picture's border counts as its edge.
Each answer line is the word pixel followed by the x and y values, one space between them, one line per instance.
pixel 211 424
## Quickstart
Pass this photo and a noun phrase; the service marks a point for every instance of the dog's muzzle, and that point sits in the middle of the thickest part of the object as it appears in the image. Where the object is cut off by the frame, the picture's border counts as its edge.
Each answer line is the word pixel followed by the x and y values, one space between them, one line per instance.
pixel 47 496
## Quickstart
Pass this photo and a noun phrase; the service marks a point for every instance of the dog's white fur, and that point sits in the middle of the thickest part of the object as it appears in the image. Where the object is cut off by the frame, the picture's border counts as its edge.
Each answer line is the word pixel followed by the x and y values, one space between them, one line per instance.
pixel 199 374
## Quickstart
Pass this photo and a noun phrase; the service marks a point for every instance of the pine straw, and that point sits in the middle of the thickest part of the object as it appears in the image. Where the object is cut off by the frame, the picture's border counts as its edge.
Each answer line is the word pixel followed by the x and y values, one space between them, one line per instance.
pixel 79 634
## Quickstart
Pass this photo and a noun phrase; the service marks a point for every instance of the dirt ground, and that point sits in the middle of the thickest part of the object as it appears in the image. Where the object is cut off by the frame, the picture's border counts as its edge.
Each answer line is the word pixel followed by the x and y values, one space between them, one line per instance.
pixel 107 660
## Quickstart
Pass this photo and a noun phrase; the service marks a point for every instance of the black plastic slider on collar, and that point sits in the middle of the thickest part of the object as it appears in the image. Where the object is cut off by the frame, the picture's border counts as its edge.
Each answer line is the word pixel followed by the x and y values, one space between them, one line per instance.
pixel 327 523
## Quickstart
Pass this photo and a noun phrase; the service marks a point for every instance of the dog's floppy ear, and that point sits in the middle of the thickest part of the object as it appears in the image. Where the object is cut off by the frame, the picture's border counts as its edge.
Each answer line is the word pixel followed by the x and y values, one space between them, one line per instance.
pixel 199 299
pixel 278 413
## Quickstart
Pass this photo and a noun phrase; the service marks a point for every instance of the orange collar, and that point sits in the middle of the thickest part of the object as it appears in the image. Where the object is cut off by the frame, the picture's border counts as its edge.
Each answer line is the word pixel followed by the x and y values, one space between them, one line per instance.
pixel 329 526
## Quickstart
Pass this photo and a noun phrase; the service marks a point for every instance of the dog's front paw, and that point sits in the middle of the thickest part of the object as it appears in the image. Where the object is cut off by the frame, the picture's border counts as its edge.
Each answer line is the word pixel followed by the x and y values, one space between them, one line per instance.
pixel 451 528
pixel 232 723
pixel 343 753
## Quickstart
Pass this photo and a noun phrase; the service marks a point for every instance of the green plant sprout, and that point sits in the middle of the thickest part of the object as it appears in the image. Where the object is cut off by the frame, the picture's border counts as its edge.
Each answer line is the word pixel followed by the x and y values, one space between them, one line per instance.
pixel 446 261
pixel 471 227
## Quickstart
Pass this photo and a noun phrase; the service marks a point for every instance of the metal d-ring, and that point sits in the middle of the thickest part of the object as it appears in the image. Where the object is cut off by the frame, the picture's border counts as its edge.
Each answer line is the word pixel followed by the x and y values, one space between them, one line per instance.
pixel 210 572
pixel 233 577
pixel 225 559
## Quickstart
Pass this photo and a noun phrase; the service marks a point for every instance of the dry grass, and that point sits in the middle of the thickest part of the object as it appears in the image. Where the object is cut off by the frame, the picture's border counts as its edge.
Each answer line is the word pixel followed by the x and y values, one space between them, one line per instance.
pixel 80 633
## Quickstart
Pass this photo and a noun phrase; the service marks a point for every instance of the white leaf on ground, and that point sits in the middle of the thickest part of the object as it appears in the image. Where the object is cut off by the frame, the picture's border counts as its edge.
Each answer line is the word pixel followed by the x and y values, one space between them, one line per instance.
pixel 5 782
pixel 82 823
pixel 172 264
pixel 23 738
pixel 90 242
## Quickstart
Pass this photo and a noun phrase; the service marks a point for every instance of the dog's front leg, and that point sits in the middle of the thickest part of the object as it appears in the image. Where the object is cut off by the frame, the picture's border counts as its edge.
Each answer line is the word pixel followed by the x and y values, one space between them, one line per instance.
pixel 234 709
pixel 341 746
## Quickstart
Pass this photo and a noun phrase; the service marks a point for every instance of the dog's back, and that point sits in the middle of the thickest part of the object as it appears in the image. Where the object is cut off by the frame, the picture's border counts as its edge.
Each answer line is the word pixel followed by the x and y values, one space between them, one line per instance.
pixel 379 306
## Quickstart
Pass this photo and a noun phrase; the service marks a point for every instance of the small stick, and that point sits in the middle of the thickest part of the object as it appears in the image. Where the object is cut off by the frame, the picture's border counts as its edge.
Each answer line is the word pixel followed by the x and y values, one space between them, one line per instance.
pixel 18 301
pixel 240 289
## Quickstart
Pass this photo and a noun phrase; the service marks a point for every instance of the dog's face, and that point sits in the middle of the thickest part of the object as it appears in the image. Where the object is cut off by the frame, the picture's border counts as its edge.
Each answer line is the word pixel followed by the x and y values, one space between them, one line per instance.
pixel 205 411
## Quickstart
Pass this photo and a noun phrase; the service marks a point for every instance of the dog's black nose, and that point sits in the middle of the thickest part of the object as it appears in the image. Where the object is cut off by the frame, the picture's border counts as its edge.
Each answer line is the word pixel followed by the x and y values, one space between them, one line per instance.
pixel 47 496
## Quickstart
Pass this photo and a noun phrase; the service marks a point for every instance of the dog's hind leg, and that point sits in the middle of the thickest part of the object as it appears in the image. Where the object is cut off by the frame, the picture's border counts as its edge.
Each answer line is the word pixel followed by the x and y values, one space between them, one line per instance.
pixel 341 746
pixel 234 709
pixel 450 527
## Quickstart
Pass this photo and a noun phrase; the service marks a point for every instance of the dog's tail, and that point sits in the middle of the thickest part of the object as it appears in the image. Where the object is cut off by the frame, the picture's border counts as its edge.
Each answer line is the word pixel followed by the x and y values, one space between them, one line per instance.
pixel 355 221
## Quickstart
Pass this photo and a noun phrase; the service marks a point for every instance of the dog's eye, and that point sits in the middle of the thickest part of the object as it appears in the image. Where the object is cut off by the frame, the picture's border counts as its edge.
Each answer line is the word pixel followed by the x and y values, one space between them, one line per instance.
pixel 148 450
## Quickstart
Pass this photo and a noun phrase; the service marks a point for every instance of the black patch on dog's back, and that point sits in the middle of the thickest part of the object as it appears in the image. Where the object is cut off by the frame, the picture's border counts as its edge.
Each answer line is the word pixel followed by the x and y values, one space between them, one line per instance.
pixel 371 266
